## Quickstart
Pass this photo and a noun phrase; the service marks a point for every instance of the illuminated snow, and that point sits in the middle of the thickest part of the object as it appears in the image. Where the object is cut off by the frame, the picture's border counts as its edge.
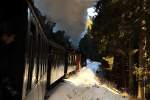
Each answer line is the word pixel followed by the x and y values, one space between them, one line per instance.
pixel 84 86
pixel 93 65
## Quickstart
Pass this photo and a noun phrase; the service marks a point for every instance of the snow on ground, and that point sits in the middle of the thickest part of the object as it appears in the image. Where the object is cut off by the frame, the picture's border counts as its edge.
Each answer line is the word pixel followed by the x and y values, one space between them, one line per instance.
pixel 93 65
pixel 84 86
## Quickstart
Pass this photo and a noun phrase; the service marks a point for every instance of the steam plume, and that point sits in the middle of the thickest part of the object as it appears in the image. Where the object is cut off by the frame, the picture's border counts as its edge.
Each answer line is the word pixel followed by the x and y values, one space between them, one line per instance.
pixel 69 15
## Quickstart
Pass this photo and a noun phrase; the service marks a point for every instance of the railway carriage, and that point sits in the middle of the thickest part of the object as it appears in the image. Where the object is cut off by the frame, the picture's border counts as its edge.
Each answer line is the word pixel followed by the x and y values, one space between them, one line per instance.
pixel 71 61
pixel 46 61
pixel 35 62
pixel 57 60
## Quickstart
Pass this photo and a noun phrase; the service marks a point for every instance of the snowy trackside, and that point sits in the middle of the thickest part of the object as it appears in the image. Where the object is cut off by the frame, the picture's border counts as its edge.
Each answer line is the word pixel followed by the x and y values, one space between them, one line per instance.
pixel 84 86
pixel 93 65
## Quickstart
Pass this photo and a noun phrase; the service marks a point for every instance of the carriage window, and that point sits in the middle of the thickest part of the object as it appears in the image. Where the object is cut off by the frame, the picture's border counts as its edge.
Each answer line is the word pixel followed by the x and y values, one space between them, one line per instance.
pixel 39 67
pixel 39 76
pixel 30 65
pixel 70 59
pixel 41 57
pixel 38 59
pixel 31 55
pixel 33 28
pixel 45 57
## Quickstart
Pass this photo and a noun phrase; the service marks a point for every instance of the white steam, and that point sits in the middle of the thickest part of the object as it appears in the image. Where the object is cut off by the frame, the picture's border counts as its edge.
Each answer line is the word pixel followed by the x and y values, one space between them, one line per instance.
pixel 69 15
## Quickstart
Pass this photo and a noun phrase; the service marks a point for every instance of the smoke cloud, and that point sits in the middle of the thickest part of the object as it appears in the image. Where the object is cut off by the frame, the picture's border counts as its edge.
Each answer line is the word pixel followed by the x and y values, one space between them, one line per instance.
pixel 69 15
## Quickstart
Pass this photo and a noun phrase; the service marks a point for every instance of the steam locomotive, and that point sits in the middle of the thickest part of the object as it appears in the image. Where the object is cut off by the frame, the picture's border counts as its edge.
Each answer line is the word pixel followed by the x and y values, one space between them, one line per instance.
pixel 34 63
